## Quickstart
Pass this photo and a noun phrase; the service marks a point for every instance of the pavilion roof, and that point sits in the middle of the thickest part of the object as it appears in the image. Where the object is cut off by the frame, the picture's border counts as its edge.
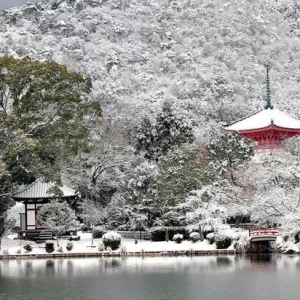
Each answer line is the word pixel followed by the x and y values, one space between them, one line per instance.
pixel 265 118
pixel 39 190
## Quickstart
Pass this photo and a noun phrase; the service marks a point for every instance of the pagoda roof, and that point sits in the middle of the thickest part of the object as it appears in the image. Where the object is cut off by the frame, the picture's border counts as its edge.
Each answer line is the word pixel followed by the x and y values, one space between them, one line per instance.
pixel 39 190
pixel 265 118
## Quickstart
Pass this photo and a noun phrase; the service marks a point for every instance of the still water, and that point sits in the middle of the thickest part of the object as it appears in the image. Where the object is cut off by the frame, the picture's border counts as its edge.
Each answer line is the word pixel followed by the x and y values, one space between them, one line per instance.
pixel 166 278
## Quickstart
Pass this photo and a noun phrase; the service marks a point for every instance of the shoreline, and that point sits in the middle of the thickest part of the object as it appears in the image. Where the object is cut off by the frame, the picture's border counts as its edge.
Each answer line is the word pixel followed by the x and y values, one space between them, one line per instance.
pixel 123 255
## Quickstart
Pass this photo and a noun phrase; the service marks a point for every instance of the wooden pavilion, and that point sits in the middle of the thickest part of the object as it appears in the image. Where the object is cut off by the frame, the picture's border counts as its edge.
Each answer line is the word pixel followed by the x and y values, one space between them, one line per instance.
pixel 35 195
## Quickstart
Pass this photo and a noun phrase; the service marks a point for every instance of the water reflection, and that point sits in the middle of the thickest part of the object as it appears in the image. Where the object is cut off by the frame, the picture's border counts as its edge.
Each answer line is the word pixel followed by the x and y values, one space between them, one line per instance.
pixel 73 267
pixel 263 277
pixel 112 263
pixel 70 268
pixel 223 261
pixel 263 261
pixel 49 267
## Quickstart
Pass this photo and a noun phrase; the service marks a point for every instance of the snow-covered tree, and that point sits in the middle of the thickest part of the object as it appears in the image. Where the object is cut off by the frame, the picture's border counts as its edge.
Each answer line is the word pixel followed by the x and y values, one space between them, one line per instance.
pixel 275 183
pixel 97 171
pixel 179 172
pixel 228 152
pixel 155 140
pixel 58 217
pixel 92 213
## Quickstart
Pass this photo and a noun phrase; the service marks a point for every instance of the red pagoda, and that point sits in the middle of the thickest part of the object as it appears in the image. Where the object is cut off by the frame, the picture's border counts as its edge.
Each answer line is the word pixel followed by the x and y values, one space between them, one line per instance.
pixel 268 127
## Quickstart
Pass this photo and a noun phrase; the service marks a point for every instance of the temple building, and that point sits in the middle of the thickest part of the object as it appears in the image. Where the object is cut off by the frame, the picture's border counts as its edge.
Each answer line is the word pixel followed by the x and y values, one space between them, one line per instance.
pixel 35 195
pixel 267 128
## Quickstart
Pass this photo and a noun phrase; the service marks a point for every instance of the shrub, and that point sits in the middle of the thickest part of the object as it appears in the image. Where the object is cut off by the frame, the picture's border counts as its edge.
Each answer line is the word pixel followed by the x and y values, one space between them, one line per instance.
pixel 242 245
pixel 85 228
pixel 69 246
pixel 60 249
pixel 158 234
pixel 123 250
pixel 97 233
pixel 211 238
pixel 112 239
pixel 223 243
pixel 19 251
pixel 223 239
pixel 178 238
pixel 206 232
pixel 195 237
pixel 28 247
pixel 49 246
pixel 101 247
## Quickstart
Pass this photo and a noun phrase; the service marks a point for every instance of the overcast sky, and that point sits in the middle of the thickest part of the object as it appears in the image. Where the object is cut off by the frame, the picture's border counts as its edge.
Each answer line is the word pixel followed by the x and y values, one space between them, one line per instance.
pixel 12 3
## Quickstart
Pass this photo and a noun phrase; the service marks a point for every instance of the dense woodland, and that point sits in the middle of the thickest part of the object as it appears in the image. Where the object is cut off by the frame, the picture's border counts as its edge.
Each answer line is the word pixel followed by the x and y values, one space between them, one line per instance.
pixel 168 76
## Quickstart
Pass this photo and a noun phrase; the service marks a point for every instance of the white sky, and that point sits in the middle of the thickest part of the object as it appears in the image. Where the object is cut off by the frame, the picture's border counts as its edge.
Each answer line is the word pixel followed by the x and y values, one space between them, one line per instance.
pixel 11 3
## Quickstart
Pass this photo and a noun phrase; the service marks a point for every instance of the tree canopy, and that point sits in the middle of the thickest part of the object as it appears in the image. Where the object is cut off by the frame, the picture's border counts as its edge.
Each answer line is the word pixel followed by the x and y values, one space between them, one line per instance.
pixel 45 115
pixel 169 129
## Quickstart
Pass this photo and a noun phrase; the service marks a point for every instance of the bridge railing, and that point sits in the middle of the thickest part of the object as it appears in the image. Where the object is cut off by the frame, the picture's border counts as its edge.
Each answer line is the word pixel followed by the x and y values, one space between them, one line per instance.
pixel 258 232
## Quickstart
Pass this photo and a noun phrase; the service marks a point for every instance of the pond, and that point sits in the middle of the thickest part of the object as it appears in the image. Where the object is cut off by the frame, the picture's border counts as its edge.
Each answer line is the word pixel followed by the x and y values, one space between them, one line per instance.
pixel 159 278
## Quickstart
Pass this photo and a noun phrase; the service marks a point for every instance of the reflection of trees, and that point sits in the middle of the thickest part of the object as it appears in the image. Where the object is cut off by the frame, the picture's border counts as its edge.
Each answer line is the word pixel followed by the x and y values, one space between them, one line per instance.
pixel 262 261
pixel 70 267
pixel 49 267
pixel 223 261
pixel 28 268
pixel 111 264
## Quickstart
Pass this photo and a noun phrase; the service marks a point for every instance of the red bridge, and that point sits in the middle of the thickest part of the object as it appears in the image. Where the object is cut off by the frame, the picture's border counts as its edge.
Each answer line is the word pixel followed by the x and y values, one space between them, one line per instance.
pixel 259 235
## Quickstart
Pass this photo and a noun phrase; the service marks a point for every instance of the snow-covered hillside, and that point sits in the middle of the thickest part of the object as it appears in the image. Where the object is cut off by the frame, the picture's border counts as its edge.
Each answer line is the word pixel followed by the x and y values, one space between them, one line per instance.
pixel 206 56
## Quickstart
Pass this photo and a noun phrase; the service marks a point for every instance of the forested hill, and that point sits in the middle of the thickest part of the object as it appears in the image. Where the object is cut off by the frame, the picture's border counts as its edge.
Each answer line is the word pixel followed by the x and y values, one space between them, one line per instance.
pixel 206 56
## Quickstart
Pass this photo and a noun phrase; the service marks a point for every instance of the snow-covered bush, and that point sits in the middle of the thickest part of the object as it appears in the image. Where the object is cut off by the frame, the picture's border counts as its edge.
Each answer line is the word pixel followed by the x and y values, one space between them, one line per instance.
pixel 69 246
pixel 112 239
pixel 101 247
pixel 159 234
pixel 49 246
pixel 224 238
pixel 211 237
pixel 123 250
pixel 195 237
pixel 28 247
pixel 60 249
pixel 242 245
pixel 178 238
pixel 286 244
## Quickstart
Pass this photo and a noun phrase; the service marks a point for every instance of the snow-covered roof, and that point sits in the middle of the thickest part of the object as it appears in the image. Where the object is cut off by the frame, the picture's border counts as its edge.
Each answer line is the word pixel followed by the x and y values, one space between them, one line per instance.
pixel 39 189
pixel 265 118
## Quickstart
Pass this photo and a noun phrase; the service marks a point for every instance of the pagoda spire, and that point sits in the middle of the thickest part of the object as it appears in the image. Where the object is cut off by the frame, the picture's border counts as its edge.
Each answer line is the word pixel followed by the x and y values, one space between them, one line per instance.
pixel 268 104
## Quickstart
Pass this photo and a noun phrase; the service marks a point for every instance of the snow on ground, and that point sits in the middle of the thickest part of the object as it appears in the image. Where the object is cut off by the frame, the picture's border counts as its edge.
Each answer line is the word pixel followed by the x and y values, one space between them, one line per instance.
pixel 84 245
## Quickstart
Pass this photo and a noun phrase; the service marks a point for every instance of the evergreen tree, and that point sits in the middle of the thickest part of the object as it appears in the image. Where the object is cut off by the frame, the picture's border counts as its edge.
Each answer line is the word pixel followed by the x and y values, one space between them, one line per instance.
pixel 45 115
pixel 179 172
pixel 155 140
